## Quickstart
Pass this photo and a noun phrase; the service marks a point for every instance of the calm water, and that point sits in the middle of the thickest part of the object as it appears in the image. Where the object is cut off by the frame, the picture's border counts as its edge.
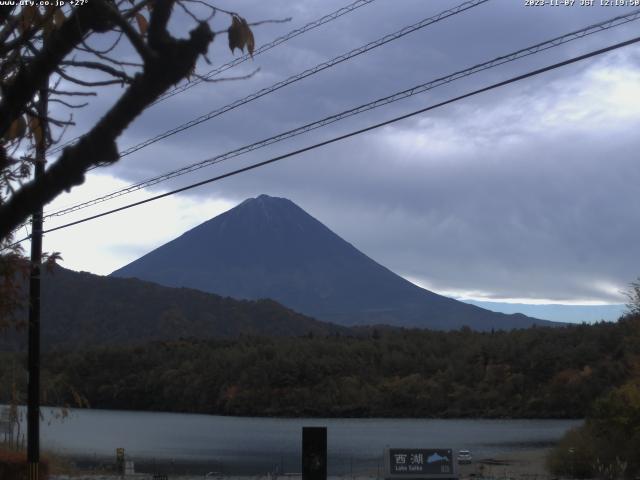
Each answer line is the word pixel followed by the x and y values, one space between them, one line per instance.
pixel 259 445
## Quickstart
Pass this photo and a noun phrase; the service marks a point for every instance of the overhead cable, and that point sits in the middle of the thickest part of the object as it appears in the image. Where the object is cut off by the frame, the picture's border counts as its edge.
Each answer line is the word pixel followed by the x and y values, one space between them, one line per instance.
pixel 346 136
pixel 307 73
pixel 421 88
pixel 237 61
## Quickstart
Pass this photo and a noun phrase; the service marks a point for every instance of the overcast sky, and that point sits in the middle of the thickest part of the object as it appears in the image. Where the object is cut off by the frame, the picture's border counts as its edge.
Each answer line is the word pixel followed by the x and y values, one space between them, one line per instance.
pixel 527 194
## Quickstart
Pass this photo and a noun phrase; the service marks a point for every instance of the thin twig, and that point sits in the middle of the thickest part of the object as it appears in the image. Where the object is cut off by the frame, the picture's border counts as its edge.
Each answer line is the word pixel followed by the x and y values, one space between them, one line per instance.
pixel 261 22
pixel 66 104
pixel 99 66
pixel 136 40
pixel 72 93
pixel 84 83
pixel 135 9
pixel 283 20
pixel 107 58
pixel 93 50
pixel 226 79
pixel 188 12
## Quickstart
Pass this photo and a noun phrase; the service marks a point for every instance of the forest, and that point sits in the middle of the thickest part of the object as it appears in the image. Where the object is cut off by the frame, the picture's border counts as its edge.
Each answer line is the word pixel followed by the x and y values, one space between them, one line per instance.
pixel 530 373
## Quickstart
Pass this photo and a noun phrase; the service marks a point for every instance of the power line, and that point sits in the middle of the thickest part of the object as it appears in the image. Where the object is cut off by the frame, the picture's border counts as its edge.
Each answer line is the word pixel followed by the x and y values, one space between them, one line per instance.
pixel 307 73
pixel 302 75
pixel 237 61
pixel 348 135
pixel 294 33
pixel 543 46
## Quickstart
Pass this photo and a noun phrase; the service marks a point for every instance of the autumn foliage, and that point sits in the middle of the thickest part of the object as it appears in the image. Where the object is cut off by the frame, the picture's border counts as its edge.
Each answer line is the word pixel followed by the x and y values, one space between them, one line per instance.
pixel 13 466
pixel 607 446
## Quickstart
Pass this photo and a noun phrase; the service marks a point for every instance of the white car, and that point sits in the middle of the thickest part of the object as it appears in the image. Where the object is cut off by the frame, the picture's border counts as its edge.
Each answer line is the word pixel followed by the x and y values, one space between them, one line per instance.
pixel 464 457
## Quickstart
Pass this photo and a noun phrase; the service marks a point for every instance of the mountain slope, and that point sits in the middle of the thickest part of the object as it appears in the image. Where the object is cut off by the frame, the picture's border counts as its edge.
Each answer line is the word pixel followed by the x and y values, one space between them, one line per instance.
pixel 269 247
pixel 80 309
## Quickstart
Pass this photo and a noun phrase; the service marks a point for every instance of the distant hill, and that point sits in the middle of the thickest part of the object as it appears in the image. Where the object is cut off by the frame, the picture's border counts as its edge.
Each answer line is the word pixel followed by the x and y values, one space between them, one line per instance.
pixel 268 247
pixel 80 309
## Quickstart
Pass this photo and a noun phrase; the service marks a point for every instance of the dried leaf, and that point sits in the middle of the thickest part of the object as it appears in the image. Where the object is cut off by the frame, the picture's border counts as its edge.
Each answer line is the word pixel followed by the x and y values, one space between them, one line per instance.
pixel 58 18
pixel 29 16
pixel 16 130
pixel 36 129
pixel 248 36
pixel 236 39
pixel 240 35
pixel 143 24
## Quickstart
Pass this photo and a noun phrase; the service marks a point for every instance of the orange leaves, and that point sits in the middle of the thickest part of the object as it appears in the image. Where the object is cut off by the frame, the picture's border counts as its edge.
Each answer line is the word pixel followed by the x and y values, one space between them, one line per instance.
pixel 143 24
pixel 13 465
pixel 240 35
pixel 18 129
pixel 28 18
pixel 33 19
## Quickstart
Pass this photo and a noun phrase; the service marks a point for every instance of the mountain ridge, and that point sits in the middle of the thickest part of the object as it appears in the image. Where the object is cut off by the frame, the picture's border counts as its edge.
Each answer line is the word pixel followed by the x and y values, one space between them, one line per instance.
pixel 80 309
pixel 269 247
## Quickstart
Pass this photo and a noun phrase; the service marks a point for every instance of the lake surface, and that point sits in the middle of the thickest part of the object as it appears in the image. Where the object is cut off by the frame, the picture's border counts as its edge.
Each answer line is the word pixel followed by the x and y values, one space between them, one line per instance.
pixel 241 445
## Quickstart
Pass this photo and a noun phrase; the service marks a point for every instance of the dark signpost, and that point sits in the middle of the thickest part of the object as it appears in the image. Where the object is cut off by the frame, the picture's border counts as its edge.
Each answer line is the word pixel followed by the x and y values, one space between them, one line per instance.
pixel 419 463
pixel 314 453
pixel 120 461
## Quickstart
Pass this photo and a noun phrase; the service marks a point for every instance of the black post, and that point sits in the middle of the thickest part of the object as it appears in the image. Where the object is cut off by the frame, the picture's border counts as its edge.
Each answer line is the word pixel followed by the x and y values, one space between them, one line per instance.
pixel 314 453
pixel 33 394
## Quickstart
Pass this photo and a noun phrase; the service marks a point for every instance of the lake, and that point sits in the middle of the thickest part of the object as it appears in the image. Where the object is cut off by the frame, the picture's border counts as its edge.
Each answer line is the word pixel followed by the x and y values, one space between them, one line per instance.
pixel 241 445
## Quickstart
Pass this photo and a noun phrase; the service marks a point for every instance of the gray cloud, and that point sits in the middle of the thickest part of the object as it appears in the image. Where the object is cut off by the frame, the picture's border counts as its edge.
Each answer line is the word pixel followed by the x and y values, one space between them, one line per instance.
pixel 525 192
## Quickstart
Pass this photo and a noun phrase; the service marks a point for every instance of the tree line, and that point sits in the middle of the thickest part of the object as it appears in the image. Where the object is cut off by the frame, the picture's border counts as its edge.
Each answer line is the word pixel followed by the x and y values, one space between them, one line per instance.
pixel 607 445
pixel 532 373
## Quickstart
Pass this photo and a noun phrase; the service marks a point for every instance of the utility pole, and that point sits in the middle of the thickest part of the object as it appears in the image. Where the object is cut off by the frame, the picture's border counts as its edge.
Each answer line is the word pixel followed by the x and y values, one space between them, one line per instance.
pixel 33 394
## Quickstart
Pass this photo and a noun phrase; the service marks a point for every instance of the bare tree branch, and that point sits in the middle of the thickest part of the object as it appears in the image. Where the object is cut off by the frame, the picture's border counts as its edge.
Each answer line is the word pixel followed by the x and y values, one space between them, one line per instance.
pixel 87 48
pixel 226 79
pixel 60 43
pixel 262 22
pixel 174 60
pixel 99 66
pixel 253 24
pixel 158 34
pixel 68 105
pixel 107 58
pixel 84 83
pixel 134 37
pixel 19 41
pixel 5 11
pixel 130 13
pixel 9 26
pixel 72 93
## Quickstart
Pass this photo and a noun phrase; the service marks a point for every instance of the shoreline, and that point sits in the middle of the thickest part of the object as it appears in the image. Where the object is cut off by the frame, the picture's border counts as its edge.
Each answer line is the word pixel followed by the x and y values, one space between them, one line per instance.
pixel 306 415
pixel 523 465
